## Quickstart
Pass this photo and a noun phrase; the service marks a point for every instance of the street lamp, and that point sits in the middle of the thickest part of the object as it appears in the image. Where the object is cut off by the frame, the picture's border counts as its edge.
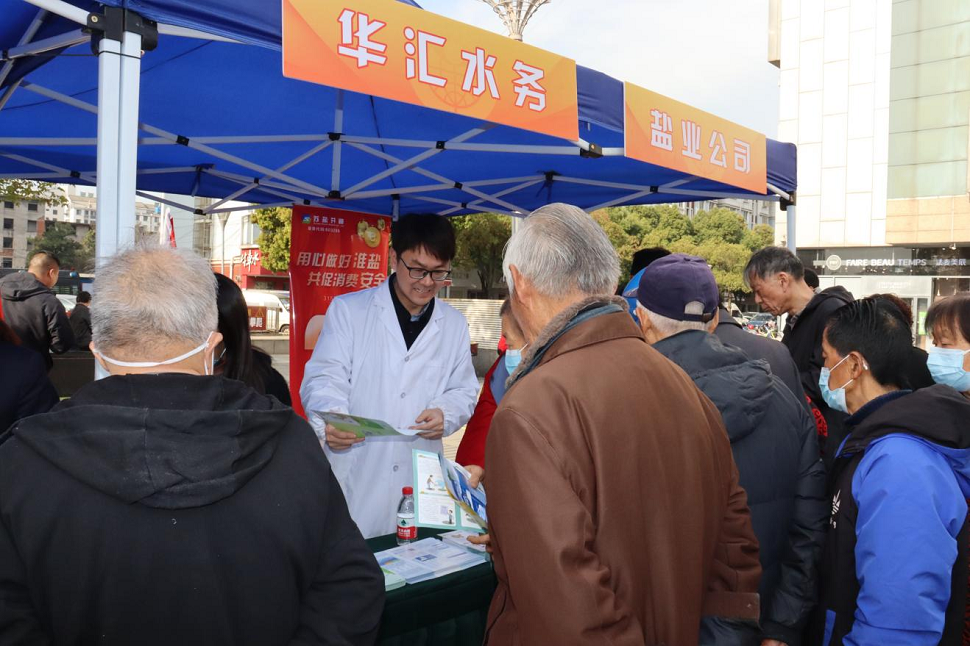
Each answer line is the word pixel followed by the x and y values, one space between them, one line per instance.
pixel 515 13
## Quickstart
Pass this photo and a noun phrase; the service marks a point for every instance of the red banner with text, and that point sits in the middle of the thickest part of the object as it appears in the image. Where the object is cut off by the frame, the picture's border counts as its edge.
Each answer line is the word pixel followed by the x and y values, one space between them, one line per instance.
pixel 332 252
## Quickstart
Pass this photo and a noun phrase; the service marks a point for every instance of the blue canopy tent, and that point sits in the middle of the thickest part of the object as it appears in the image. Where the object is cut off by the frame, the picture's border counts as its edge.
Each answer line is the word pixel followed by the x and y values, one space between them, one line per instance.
pixel 208 113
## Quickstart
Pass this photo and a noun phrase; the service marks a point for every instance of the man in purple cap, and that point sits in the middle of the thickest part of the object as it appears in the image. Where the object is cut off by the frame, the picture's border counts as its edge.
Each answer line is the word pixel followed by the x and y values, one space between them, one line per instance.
pixel 772 438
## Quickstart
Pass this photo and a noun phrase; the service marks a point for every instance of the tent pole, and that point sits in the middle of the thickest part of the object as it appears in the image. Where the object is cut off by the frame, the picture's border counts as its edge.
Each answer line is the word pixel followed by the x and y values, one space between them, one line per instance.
pixel 791 228
pixel 119 67
pixel 338 128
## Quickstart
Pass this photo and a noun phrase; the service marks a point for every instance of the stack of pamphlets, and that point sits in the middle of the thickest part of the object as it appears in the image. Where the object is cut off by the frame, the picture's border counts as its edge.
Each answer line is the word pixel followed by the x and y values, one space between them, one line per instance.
pixel 392 581
pixel 442 496
pixel 426 559
pixel 459 538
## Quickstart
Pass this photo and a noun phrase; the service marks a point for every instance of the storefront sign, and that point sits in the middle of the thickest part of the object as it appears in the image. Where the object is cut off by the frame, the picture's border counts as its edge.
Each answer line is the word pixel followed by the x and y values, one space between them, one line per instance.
pixel 257 317
pixel 675 135
pixel 834 263
pixel 332 252
pixel 399 52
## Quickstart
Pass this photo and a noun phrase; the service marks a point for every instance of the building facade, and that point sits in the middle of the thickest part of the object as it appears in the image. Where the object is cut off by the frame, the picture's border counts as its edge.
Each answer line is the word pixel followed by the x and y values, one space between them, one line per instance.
pixel 20 223
pixel 876 95
pixel 754 212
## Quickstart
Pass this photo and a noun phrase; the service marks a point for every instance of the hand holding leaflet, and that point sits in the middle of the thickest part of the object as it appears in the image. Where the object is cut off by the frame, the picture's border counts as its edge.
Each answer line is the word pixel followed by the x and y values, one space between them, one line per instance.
pixel 364 427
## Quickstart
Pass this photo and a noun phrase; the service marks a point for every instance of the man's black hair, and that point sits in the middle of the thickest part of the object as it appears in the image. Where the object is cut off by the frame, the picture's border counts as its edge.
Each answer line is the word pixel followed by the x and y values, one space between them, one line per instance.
pixel 644 257
pixel 431 232
pixel 811 278
pixel 873 328
pixel 83 297
pixel 45 259
pixel 773 260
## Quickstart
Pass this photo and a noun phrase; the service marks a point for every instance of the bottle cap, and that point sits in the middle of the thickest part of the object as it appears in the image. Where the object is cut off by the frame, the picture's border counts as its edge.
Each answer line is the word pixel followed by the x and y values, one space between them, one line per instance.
pixel 407 491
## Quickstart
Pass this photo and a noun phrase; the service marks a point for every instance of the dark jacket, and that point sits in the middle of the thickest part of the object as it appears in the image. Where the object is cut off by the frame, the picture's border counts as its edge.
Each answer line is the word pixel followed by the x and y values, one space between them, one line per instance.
pixel 273 382
pixel 916 371
pixel 176 509
pixel 81 326
pixel 730 332
pixel 35 314
pixel 899 509
pixel 804 340
pixel 25 389
pixel 613 499
pixel 775 447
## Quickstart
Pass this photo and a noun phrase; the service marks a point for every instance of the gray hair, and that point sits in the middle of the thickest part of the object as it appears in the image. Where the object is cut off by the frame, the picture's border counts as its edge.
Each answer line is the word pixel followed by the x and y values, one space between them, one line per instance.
pixel 560 248
pixel 773 260
pixel 669 327
pixel 150 297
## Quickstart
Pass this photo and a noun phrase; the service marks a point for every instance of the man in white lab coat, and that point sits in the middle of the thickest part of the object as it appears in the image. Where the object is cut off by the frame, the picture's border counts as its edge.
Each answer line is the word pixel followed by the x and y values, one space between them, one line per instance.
pixel 394 353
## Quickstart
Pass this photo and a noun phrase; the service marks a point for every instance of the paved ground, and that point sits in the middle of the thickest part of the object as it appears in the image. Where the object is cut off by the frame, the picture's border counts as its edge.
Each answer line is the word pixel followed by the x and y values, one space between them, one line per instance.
pixel 282 363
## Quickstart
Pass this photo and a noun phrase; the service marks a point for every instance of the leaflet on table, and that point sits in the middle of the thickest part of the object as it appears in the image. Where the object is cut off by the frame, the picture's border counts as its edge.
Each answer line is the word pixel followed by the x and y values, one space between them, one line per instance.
pixel 426 559
pixel 392 581
pixel 363 426
pixel 459 538
pixel 434 504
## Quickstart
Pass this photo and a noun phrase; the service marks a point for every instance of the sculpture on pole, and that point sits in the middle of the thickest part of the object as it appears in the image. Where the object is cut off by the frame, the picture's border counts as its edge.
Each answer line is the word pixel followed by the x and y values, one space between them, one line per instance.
pixel 516 13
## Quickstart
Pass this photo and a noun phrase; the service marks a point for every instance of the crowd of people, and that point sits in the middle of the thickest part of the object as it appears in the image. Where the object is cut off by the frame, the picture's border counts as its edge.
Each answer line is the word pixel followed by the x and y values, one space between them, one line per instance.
pixel 655 474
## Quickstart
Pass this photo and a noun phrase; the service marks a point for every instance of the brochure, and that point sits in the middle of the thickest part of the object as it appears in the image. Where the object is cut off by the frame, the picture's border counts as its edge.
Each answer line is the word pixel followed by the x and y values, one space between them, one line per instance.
pixel 434 503
pixel 459 538
pixel 472 500
pixel 426 559
pixel 392 581
pixel 363 426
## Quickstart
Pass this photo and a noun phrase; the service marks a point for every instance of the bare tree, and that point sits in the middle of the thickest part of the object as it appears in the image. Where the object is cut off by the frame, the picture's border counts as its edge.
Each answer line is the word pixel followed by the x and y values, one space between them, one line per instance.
pixel 516 13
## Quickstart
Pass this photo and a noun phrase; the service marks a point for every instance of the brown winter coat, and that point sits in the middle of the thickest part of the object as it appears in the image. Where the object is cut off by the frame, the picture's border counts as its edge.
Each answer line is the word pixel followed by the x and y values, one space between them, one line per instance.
pixel 614 506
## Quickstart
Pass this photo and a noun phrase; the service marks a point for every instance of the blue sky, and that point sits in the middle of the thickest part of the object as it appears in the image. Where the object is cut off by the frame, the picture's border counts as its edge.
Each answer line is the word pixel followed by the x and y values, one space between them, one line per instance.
pixel 709 53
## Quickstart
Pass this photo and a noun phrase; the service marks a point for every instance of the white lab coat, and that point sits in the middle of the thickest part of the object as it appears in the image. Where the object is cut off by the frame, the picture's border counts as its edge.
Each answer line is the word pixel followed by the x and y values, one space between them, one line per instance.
pixel 361 366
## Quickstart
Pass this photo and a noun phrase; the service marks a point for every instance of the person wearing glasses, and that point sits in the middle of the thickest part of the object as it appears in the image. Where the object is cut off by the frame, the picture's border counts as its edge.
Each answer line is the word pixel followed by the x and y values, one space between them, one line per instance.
pixel 394 353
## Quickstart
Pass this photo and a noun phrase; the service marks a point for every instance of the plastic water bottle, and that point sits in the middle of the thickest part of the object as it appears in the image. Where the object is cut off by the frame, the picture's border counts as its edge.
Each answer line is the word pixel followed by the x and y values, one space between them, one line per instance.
pixel 407 531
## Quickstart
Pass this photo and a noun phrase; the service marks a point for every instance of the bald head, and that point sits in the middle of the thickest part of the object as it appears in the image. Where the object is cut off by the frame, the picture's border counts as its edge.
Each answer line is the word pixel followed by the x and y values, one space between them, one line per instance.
pixel 45 267
pixel 153 303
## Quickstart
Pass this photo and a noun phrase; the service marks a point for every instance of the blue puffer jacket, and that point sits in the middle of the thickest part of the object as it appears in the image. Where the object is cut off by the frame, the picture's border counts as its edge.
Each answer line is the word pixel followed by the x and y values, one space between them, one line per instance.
pixel 894 569
pixel 774 443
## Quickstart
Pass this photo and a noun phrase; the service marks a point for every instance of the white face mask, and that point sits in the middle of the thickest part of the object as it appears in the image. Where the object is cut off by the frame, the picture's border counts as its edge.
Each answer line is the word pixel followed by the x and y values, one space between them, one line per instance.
pixel 167 362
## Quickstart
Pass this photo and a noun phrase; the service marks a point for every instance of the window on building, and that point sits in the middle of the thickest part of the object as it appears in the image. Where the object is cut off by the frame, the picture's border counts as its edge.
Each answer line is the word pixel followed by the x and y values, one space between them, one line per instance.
pixel 250 231
pixel 54 211
pixel 8 205
pixel 31 226
pixel 32 206
pixel 8 243
pixel 7 263
pixel 8 223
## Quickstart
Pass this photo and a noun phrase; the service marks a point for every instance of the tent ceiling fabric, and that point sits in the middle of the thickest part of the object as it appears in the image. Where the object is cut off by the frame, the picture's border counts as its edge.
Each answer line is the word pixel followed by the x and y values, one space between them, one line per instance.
pixel 219 120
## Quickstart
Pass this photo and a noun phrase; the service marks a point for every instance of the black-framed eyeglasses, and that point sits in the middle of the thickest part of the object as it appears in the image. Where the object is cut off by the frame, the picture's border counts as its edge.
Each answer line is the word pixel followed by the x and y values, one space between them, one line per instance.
pixel 417 273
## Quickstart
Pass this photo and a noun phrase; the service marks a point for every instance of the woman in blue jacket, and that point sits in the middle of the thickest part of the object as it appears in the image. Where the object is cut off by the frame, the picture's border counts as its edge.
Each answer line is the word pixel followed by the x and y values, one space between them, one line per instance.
pixel 894 567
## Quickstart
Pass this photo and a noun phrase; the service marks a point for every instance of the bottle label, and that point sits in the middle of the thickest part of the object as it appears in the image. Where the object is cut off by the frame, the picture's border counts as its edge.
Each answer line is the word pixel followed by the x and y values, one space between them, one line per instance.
pixel 406 529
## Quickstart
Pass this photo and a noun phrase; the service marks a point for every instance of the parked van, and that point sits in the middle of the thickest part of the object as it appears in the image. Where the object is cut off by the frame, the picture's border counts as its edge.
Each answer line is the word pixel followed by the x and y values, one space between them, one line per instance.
pixel 277 313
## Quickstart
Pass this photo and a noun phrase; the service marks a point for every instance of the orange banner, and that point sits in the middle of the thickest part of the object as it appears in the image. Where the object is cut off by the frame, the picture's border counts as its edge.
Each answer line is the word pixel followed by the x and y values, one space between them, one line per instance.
pixel 675 135
pixel 396 51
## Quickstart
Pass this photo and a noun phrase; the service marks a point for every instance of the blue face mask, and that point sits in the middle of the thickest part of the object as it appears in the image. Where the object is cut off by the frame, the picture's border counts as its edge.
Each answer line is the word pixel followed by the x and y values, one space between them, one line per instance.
pixel 835 398
pixel 512 360
pixel 946 366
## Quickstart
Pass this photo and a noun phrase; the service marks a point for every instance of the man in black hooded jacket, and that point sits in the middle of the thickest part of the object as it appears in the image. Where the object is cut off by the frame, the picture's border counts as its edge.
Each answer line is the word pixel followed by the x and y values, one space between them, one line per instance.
pixel 163 505
pixel 777 277
pixel 773 441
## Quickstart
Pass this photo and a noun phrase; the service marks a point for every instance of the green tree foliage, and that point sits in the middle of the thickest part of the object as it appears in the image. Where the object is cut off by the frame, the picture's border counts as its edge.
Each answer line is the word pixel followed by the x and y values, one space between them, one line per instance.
pixel 59 238
pixel 719 224
pixel 275 227
pixel 719 236
pixel 481 241
pixel 25 190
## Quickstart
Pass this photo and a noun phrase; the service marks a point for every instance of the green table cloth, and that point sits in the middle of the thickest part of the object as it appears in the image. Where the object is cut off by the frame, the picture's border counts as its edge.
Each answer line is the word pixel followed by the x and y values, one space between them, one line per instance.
pixel 450 610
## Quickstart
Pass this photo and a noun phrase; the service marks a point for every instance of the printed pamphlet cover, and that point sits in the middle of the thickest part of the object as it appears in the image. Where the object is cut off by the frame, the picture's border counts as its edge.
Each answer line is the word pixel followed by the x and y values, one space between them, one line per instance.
pixel 443 502
pixel 363 426
pixel 459 538
pixel 426 559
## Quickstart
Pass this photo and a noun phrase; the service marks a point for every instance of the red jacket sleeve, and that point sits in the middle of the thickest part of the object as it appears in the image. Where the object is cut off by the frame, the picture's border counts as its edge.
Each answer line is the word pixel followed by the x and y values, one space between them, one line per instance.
pixel 471 450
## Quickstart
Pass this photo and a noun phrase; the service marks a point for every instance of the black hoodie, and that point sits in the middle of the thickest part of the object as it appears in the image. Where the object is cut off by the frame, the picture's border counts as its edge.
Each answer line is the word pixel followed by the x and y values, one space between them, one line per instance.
pixel 804 341
pixel 176 509
pixel 774 444
pixel 34 313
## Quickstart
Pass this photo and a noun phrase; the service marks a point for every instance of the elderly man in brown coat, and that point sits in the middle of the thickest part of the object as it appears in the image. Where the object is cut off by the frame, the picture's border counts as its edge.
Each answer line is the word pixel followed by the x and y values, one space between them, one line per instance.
pixel 615 511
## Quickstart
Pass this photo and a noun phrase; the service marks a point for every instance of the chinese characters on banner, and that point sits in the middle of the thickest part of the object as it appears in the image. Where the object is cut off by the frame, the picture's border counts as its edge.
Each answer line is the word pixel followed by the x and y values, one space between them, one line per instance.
pixel 674 135
pixel 332 252
pixel 399 52
pixel 257 317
